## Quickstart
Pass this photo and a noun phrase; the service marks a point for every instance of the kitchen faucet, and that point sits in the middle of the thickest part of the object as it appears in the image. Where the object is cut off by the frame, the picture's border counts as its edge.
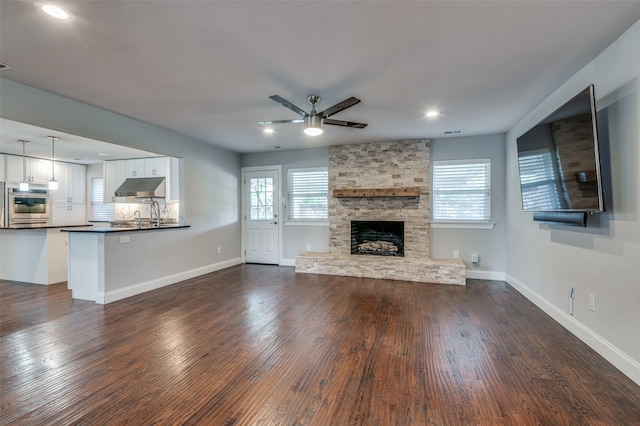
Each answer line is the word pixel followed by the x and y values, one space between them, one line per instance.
pixel 136 215
pixel 154 206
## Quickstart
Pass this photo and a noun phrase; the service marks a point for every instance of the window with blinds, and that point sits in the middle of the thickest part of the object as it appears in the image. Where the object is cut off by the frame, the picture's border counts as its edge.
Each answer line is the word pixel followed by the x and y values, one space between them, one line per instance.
pixel 538 182
pixel 308 191
pixel 100 212
pixel 462 190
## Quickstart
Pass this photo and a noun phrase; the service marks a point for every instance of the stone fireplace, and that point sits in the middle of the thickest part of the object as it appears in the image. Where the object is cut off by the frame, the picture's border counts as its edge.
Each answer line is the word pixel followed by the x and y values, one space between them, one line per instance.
pixel 386 182
pixel 377 238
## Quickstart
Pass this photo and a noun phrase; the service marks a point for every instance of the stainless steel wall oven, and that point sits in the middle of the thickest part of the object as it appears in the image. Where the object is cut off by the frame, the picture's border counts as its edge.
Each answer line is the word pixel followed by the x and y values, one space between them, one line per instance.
pixel 29 207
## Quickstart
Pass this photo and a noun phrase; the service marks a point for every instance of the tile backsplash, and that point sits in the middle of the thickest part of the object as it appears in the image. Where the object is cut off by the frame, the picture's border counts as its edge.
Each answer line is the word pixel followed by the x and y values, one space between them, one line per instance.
pixel 126 211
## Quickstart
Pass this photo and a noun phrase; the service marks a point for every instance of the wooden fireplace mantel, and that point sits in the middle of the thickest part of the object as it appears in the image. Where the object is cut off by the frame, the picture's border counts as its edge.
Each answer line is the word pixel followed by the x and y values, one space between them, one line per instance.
pixel 411 191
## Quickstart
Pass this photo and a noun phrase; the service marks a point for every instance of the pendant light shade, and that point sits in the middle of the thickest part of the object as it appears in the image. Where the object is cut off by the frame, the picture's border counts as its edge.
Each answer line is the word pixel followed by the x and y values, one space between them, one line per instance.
pixel 53 183
pixel 24 185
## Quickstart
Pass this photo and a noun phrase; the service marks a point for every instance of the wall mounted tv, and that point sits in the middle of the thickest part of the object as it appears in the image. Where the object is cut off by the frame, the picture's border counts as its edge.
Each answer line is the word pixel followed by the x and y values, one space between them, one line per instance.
pixel 559 160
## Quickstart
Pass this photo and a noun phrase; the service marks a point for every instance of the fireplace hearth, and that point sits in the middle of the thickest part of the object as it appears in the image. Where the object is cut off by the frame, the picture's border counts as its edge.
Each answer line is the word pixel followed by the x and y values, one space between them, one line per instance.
pixel 377 238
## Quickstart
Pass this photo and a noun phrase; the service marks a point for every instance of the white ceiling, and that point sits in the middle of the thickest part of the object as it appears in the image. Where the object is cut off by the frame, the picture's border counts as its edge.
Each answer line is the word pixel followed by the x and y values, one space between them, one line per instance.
pixel 207 68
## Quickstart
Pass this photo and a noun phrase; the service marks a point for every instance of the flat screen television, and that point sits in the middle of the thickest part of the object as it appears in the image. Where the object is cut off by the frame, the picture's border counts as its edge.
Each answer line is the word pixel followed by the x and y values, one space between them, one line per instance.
pixel 559 160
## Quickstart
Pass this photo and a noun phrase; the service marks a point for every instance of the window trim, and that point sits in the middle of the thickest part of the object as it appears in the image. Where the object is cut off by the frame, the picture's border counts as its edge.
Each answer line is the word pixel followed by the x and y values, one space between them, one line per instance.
pixel 462 223
pixel 303 221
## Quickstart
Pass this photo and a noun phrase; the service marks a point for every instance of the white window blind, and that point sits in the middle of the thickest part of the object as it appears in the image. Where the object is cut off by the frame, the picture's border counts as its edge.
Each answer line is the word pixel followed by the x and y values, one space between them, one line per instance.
pixel 99 211
pixel 538 182
pixel 308 191
pixel 462 190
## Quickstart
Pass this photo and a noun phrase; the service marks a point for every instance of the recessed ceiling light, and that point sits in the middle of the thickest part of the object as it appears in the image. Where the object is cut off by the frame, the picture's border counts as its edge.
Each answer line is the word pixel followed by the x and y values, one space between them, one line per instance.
pixel 55 11
pixel 432 113
pixel 268 130
pixel 102 154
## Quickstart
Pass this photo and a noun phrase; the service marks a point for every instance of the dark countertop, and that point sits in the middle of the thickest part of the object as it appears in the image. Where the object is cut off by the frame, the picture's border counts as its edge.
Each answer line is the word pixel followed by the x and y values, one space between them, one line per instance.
pixel 108 229
pixel 14 227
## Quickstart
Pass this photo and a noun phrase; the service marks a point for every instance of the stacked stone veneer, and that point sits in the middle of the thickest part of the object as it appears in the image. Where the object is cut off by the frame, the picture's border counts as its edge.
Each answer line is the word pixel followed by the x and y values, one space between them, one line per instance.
pixel 381 165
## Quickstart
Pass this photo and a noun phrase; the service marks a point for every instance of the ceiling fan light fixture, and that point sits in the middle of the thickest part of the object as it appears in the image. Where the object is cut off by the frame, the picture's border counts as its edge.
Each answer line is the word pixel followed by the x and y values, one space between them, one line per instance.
pixel 313 131
pixel 313 124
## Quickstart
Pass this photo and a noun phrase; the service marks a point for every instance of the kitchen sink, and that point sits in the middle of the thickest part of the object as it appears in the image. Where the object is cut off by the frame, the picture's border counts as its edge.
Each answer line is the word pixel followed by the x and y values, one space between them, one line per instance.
pixel 143 224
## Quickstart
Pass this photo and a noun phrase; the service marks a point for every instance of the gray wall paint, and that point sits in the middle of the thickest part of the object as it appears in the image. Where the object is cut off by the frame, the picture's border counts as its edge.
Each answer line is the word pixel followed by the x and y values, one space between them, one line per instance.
pixel 211 174
pixel 295 237
pixel 604 259
pixel 489 244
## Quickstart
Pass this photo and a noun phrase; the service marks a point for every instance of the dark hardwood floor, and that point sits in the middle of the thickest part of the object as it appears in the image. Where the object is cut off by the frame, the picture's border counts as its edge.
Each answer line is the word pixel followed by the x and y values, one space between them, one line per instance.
pixel 260 345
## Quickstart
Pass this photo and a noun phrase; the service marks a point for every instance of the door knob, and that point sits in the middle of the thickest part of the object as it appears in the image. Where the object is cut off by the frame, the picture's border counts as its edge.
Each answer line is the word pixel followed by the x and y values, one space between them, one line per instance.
pixel 274 222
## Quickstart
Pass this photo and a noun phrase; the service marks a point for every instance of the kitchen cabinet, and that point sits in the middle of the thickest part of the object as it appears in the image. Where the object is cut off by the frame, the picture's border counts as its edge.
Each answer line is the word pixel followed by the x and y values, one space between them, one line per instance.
pixel 2 175
pixel 116 171
pixel 156 166
pixel 35 170
pixel 69 201
pixel 173 184
pixel 68 214
pixel 135 168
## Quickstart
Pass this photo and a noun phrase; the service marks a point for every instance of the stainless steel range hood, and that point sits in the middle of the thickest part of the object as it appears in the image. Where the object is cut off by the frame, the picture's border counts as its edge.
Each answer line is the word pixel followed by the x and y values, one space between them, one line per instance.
pixel 153 187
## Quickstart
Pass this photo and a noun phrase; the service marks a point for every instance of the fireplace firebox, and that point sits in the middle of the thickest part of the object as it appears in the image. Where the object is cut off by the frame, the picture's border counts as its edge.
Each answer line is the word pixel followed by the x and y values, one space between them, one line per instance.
pixel 377 238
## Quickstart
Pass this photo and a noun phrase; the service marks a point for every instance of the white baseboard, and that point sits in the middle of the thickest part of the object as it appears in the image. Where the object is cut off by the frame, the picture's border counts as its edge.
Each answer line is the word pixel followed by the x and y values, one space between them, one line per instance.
pixel 627 365
pixel 485 275
pixel 132 290
pixel 287 262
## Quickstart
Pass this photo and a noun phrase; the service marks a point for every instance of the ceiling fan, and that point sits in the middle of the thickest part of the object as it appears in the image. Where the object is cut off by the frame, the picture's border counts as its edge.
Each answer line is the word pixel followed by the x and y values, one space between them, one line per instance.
pixel 313 120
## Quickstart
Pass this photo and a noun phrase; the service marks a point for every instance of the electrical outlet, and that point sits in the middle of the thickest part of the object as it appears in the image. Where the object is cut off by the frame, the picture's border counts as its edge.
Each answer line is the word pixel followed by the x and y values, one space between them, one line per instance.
pixel 474 258
pixel 308 247
pixel 591 301
pixel 456 254
pixel 219 250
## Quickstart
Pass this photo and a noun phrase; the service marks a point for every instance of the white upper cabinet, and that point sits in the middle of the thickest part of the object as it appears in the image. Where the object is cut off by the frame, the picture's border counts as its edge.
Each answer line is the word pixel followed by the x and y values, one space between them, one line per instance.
pixel 35 170
pixel 116 171
pixel 156 166
pixel 135 168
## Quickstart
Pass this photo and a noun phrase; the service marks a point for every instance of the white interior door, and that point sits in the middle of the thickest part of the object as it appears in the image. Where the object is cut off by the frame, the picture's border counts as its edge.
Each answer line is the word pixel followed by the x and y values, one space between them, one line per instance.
pixel 262 216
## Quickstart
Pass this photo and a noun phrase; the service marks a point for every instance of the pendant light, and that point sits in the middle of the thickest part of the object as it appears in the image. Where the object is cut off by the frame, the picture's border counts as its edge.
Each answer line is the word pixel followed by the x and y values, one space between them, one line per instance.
pixel 53 183
pixel 24 185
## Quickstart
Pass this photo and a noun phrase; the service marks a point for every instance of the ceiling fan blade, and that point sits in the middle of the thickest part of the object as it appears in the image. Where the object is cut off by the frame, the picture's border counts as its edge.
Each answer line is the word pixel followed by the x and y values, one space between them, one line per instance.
pixel 282 101
pixel 280 121
pixel 344 123
pixel 339 107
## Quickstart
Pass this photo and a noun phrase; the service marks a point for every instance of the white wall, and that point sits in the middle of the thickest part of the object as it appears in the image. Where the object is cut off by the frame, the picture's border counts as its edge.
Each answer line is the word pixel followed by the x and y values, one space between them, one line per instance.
pixel 603 259
pixel 211 174
pixel 295 237
pixel 489 244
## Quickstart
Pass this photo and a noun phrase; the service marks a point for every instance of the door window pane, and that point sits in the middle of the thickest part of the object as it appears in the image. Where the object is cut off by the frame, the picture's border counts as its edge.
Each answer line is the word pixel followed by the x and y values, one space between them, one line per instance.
pixel 261 198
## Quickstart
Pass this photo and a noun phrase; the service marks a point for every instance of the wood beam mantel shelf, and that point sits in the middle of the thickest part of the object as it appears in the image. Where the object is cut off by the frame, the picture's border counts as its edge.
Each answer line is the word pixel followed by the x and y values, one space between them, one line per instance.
pixel 411 191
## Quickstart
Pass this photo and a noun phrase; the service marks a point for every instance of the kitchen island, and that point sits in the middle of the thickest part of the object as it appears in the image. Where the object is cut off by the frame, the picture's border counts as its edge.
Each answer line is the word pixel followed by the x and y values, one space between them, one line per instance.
pixel 110 263
pixel 34 254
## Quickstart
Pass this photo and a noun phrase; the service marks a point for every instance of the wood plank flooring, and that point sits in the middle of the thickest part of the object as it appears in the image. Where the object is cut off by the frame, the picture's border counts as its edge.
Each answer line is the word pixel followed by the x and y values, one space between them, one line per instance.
pixel 260 345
